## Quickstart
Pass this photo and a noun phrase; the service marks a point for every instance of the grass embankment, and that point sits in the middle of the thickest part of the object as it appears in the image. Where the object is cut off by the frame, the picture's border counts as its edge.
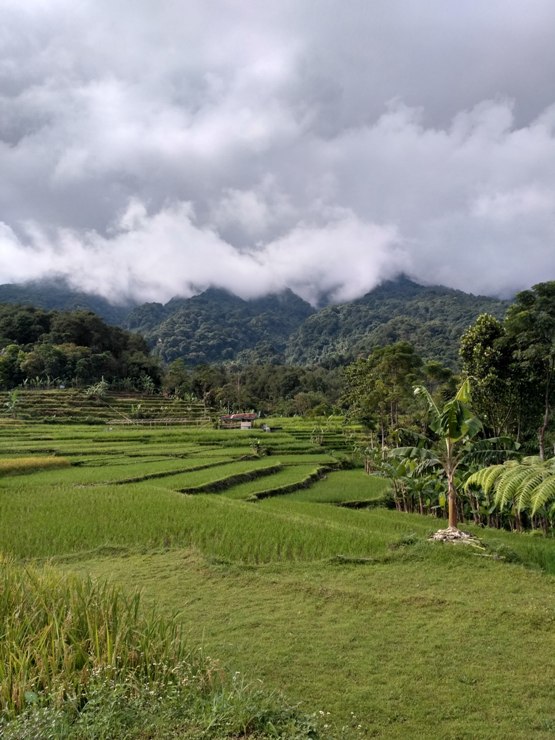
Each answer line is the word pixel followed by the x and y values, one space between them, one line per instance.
pixel 291 476
pixel 350 612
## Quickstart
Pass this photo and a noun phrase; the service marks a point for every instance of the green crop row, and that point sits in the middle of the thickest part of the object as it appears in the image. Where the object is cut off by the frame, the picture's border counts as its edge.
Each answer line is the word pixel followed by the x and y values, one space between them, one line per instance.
pixel 345 486
pixel 308 480
pixel 69 519
pixel 132 472
pixel 221 484
pixel 288 475
pixel 219 477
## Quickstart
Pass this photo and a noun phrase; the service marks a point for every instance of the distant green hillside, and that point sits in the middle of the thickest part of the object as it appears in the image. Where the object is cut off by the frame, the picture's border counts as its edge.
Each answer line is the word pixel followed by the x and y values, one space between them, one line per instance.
pixel 216 326
pixel 431 318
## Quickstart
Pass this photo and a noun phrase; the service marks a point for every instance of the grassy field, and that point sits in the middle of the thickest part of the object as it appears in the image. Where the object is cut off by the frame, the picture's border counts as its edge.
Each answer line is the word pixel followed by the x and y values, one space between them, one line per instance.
pixel 371 630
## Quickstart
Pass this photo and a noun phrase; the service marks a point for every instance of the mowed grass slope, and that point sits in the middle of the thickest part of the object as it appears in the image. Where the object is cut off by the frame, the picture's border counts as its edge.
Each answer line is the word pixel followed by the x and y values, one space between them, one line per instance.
pixel 441 645
pixel 349 611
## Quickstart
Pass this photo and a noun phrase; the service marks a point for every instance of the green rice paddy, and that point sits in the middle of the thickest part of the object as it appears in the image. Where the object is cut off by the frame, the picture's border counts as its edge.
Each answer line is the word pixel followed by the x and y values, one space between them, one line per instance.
pixel 365 625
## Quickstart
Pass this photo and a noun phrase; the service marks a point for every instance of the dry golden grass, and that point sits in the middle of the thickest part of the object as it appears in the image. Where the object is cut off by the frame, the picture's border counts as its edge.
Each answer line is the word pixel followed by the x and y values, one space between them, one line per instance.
pixel 15 465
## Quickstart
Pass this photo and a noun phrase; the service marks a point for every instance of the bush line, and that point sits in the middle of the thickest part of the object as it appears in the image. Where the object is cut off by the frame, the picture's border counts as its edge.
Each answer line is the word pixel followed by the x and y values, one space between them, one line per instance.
pixel 371 503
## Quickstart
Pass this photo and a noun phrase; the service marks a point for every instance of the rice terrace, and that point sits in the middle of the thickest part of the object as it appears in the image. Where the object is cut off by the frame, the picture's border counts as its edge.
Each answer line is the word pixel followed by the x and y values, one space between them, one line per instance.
pixel 177 580
pixel 277 370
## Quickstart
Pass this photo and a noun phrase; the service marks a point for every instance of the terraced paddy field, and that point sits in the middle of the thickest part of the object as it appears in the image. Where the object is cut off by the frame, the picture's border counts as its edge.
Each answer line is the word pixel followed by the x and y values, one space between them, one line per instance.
pixel 267 561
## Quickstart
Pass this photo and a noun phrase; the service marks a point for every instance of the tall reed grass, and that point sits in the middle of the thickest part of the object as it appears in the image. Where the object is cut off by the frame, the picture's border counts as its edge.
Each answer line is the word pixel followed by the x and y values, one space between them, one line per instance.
pixel 83 660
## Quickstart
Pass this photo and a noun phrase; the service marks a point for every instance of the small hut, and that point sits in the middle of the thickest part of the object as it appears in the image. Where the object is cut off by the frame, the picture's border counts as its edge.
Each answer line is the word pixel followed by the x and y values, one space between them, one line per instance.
pixel 237 421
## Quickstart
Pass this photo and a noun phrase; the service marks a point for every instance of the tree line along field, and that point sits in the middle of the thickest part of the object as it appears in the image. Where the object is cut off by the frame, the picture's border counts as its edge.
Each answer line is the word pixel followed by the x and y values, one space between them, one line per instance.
pixel 251 543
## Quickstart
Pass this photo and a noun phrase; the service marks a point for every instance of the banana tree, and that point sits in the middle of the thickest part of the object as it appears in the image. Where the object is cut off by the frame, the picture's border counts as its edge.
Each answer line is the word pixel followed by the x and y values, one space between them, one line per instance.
pixel 455 425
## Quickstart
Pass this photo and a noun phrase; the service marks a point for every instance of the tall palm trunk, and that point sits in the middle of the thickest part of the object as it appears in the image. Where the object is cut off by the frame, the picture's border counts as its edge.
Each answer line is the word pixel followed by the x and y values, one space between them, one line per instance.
pixel 455 424
pixel 543 428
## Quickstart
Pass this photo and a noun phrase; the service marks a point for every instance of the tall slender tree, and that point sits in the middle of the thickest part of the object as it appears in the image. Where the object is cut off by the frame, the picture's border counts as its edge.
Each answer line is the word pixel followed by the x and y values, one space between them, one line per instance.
pixel 530 331
pixel 487 360
pixel 378 390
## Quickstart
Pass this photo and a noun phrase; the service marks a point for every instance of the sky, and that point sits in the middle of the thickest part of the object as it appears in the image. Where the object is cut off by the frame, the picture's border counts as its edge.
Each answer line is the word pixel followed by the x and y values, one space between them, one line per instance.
pixel 155 149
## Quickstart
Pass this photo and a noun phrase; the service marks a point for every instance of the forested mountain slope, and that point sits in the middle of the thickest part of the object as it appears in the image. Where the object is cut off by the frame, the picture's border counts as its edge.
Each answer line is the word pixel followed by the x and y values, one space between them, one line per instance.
pixel 216 326
pixel 431 318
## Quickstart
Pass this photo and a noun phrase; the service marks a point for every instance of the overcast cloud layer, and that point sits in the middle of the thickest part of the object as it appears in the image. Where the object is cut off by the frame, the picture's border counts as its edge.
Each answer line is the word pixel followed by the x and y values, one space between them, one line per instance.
pixel 155 149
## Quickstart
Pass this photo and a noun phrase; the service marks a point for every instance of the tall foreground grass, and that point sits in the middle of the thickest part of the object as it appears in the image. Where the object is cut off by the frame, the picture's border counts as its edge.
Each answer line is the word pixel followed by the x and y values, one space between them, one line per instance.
pixel 59 632
pixel 79 659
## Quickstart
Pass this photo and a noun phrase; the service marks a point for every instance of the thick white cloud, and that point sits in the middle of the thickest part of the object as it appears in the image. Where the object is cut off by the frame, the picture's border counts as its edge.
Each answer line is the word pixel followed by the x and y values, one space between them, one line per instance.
pixel 151 257
pixel 151 151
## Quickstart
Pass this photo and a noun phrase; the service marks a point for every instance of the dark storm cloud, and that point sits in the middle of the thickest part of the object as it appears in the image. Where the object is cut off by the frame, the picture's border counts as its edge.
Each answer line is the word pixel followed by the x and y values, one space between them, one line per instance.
pixel 149 150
